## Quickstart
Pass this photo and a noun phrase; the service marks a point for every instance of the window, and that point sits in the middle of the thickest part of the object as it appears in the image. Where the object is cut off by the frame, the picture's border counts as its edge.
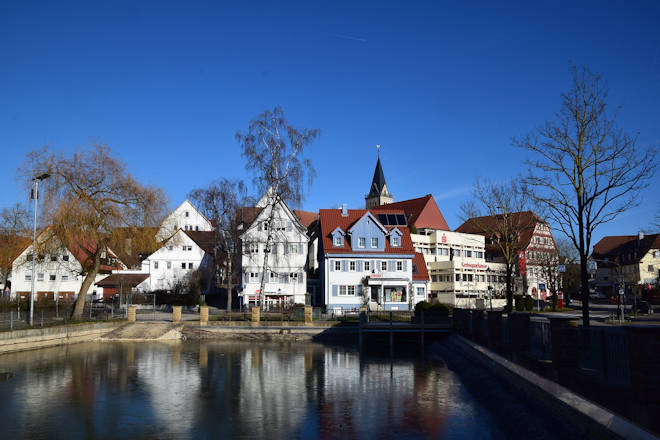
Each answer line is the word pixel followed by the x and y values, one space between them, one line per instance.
pixel 28 277
pixel 399 266
pixel 468 254
pixel 254 277
pixel 40 277
pixel 656 254
pixel 184 247
pixel 395 294
pixel 183 265
pixel 420 291
pixel 293 277
pixel 190 265
pixel 650 268
pixel 337 265
pixel 478 254
pixel 342 290
pixel 169 265
pixel 383 266
pixel 29 257
pixel 338 241
pixel 374 242
pixel 351 266
pixel 367 266
pixel 190 248
pixel 362 242
pixel 53 258
pixel 51 277
pixel 187 214
pixel 396 242
pixel 155 264
pixel 350 290
pixel 292 248
pixel 65 277
pixel 265 226
pixel 170 247
pixel 196 228
pixel 253 248
pixel 458 277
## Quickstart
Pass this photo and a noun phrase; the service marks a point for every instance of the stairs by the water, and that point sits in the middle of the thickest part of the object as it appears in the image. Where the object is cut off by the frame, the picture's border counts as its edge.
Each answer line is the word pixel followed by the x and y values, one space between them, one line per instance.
pixel 145 331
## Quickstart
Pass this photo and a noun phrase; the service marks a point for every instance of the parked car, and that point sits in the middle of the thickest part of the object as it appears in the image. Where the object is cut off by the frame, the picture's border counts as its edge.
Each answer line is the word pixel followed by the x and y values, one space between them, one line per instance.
pixel 98 304
pixel 644 307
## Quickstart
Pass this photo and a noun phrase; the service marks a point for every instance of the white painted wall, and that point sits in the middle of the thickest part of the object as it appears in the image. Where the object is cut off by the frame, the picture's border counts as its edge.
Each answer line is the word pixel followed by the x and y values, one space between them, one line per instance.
pixel 185 217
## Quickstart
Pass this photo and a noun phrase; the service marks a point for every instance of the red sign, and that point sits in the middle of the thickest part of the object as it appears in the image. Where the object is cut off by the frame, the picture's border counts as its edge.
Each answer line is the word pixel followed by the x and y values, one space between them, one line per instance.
pixel 521 263
pixel 474 265
pixel 444 238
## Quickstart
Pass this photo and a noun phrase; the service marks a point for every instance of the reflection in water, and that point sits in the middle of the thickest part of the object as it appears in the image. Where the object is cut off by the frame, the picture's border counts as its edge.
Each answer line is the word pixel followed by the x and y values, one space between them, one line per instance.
pixel 192 390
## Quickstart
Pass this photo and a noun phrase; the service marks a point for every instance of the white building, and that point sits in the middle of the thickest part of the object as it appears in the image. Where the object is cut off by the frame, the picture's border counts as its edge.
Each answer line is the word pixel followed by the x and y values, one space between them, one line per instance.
pixel 185 217
pixel 286 277
pixel 59 270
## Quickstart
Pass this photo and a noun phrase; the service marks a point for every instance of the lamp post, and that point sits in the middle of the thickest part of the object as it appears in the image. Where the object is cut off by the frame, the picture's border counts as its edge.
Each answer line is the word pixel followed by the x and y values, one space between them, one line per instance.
pixel 35 196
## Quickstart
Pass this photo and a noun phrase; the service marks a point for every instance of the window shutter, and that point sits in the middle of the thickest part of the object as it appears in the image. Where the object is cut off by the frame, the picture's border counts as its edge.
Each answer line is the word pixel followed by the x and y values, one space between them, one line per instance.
pixel 391 265
pixel 373 266
pixel 332 265
pixel 358 290
pixel 288 226
pixel 334 290
pixel 300 248
pixel 360 266
pixel 301 275
pixel 344 265
pixel 405 265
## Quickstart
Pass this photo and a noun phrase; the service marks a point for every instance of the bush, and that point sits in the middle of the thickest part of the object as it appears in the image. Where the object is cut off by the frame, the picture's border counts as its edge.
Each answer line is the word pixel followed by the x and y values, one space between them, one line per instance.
pixel 422 305
pixel 176 299
pixel 529 303
pixel 518 303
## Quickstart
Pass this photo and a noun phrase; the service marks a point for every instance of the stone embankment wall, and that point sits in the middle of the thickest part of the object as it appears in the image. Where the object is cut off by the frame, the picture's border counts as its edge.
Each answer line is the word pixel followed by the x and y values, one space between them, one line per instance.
pixel 19 340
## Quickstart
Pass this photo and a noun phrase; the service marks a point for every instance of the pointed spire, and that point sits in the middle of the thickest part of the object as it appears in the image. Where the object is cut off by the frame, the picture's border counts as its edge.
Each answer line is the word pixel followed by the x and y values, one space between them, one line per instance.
pixel 378 181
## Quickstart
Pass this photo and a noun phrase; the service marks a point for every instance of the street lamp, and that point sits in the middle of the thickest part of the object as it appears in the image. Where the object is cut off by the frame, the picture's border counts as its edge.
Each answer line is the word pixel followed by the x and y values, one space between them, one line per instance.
pixel 35 196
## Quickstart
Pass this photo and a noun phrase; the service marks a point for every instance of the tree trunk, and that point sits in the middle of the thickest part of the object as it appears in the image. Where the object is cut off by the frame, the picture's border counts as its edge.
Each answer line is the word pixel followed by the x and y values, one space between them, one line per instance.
pixel 264 268
pixel 79 307
pixel 584 279
pixel 229 283
pixel 509 290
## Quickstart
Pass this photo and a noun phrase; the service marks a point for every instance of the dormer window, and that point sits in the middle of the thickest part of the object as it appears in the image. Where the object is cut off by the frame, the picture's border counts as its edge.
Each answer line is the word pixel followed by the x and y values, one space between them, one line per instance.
pixel 396 242
pixel 339 241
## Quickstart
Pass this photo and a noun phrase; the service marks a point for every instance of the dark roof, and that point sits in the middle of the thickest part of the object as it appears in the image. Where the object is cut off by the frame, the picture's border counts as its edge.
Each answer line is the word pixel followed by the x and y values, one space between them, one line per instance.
pixel 527 221
pixel 421 212
pixel 626 246
pixel 306 218
pixel 125 279
pixel 419 263
pixel 378 182
pixel 332 219
pixel 203 239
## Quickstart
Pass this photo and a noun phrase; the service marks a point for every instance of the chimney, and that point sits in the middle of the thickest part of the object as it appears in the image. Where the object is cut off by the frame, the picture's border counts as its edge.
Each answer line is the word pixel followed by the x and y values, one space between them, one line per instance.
pixel 640 236
pixel 344 210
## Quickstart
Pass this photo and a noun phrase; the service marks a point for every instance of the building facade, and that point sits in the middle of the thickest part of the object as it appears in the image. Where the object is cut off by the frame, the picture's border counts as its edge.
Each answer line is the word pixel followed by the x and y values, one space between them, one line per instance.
pixel 185 217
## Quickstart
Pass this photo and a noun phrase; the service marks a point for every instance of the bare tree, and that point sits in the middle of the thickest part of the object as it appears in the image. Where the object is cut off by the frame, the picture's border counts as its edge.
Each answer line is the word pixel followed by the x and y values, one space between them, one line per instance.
pixel 585 171
pixel 500 213
pixel 14 237
pixel 88 198
pixel 275 154
pixel 221 202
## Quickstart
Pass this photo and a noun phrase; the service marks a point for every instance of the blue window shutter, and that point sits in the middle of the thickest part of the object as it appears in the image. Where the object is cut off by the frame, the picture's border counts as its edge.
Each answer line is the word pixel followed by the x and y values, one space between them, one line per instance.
pixel 373 266
pixel 360 266
pixel 391 265
pixel 332 265
pixel 300 248
pixel 405 265
pixel 359 290
pixel 344 265
pixel 301 275
pixel 288 226
pixel 334 290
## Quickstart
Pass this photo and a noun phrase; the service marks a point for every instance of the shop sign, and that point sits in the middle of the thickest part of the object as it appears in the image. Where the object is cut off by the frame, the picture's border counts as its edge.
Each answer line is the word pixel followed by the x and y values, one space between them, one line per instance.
pixel 521 263
pixel 444 238
pixel 474 265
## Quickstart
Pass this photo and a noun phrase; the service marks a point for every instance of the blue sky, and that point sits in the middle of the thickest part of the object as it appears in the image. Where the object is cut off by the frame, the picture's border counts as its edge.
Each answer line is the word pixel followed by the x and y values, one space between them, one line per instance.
pixel 442 86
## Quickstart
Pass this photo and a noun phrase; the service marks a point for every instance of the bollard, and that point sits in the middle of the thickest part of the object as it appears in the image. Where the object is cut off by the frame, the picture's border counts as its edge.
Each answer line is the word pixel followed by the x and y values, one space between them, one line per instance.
pixel 308 315
pixel 176 313
pixel 256 315
pixel 131 313
pixel 203 315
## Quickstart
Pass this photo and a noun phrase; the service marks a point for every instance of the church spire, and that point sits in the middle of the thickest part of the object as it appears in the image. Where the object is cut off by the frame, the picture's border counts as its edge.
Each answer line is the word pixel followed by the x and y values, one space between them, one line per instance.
pixel 378 193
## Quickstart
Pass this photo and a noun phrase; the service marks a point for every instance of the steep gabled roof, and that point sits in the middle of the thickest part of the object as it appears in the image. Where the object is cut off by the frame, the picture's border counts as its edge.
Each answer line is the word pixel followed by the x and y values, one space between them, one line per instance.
pixel 422 212
pixel 204 239
pixel 624 246
pixel 479 225
pixel 331 219
pixel 306 218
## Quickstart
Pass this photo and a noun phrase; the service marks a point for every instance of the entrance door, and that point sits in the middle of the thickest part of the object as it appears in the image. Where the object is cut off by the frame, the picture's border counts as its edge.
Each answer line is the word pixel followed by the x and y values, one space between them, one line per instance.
pixel 374 293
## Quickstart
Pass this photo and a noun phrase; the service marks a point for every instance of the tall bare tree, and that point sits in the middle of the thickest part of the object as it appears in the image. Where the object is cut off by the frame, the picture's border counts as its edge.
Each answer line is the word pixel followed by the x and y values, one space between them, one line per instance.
pixel 499 212
pixel 585 171
pixel 221 201
pixel 88 198
pixel 14 236
pixel 275 153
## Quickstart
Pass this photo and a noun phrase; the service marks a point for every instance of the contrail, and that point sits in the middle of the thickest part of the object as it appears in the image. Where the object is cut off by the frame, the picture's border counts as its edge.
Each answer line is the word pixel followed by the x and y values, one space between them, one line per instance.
pixel 348 37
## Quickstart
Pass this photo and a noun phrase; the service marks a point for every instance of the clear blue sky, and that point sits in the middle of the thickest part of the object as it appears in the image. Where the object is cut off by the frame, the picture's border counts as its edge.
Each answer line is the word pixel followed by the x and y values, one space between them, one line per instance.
pixel 442 86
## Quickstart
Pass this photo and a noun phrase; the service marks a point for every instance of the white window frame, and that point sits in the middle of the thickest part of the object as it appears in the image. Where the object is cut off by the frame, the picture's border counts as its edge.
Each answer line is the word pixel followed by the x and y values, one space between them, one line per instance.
pixel 342 291
pixel 338 241
pixel 292 248
pixel 337 265
pixel 351 266
pixel 399 265
pixel 383 266
pixel 155 264
pixel 367 266
pixel 396 242
pixel 65 277
pixel 350 290
pixel 362 242
pixel 374 242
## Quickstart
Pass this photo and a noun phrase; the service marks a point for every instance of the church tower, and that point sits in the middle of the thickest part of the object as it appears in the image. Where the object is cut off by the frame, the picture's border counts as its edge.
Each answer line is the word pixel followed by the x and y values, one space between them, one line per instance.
pixel 378 193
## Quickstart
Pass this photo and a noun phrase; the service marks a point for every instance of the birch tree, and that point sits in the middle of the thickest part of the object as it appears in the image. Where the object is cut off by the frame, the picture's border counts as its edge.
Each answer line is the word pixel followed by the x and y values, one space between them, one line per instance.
pixel 584 170
pixel 221 202
pixel 499 212
pixel 275 153
pixel 87 199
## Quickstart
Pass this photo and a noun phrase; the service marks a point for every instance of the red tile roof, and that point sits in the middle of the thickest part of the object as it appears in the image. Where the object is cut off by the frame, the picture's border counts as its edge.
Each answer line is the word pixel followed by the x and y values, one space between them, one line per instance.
pixel 526 220
pixel 331 219
pixel 306 218
pixel 421 212
pixel 125 279
pixel 422 272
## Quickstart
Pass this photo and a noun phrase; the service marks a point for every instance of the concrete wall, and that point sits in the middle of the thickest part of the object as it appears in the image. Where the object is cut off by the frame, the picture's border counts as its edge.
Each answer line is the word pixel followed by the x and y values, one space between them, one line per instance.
pixel 19 340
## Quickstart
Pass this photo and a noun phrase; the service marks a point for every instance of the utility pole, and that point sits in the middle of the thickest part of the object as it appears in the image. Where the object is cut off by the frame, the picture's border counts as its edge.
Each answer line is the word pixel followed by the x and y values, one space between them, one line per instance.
pixel 35 196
